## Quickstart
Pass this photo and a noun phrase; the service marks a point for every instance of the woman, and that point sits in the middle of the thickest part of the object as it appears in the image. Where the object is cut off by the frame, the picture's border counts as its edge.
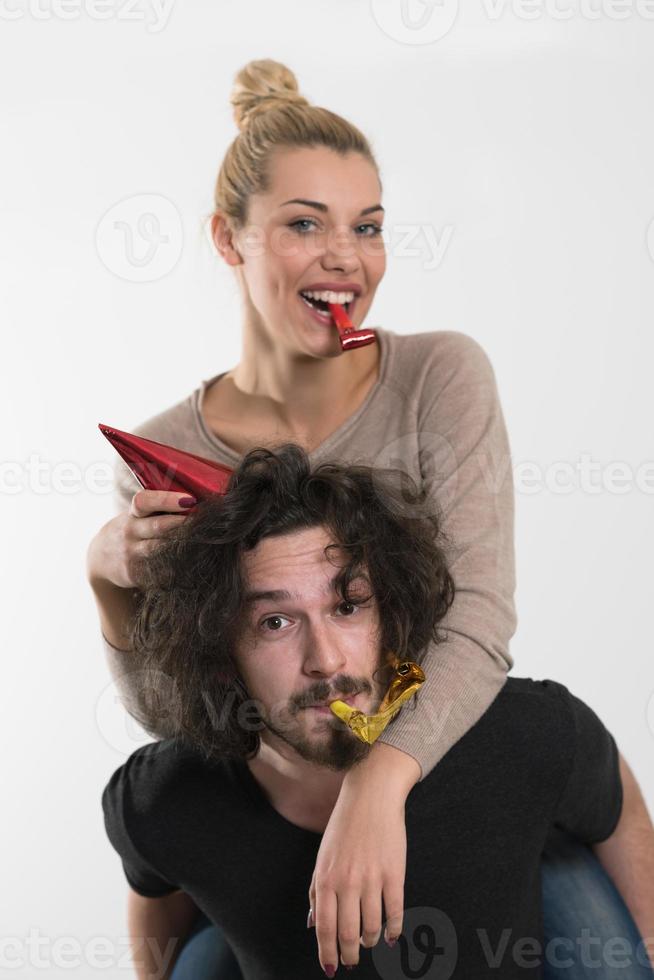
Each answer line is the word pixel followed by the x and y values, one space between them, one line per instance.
pixel 298 218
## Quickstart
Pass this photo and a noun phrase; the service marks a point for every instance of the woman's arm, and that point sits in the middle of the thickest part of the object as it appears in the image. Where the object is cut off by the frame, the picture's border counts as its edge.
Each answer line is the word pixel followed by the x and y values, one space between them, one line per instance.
pixel 466 460
pixel 112 566
pixel 116 606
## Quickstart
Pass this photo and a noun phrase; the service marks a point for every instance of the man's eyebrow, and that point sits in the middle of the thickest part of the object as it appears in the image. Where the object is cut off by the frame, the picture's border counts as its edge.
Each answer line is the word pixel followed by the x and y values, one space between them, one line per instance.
pixel 252 597
pixel 323 207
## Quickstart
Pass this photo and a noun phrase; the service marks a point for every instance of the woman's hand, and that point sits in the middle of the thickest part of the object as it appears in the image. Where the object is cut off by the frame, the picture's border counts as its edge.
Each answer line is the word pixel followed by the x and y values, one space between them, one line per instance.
pixel 362 858
pixel 117 551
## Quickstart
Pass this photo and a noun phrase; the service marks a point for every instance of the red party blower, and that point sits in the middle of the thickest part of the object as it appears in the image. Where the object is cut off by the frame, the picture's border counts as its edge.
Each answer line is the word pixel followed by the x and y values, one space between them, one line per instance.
pixel 160 467
pixel 349 337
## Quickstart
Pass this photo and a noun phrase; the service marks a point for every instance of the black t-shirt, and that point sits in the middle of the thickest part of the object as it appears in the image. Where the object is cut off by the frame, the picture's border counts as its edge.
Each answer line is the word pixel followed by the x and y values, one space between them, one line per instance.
pixel 538 759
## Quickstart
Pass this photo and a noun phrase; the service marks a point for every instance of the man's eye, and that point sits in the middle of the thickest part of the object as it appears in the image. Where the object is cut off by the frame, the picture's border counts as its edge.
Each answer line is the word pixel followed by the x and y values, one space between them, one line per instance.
pixel 269 619
pixel 352 606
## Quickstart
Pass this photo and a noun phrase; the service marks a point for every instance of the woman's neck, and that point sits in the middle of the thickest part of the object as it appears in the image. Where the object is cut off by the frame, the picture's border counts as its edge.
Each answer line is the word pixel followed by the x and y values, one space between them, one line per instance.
pixel 300 392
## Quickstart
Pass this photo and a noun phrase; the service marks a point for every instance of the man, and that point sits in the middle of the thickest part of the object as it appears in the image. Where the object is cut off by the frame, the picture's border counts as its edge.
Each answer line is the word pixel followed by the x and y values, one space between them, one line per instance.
pixel 268 603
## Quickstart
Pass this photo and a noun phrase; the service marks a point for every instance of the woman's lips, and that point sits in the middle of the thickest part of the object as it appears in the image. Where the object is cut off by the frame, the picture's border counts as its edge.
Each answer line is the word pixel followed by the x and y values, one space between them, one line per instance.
pixel 325 319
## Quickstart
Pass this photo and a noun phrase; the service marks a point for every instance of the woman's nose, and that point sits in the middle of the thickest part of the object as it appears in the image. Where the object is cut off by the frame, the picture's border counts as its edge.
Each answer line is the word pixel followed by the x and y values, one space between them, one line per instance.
pixel 340 250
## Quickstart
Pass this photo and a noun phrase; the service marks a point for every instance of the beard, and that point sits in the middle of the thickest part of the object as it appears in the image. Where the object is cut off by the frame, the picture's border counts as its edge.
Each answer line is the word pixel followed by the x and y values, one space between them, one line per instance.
pixel 334 745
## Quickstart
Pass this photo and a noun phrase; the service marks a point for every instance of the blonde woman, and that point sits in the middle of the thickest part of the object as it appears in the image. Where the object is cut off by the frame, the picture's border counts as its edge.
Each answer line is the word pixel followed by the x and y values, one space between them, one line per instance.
pixel 298 216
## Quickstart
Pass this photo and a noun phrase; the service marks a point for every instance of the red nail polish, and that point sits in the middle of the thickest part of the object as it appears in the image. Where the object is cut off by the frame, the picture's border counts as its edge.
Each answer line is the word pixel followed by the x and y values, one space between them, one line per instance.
pixel 187 501
pixel 329 969
pixel 391 942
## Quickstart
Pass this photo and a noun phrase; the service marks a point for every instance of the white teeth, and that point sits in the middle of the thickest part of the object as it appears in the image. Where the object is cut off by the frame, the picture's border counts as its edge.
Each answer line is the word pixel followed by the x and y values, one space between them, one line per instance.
pixel 324 313
pixel 329 297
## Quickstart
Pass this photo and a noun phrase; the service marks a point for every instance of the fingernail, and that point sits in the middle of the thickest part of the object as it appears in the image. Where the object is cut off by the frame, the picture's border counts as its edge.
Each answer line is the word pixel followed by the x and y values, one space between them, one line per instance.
pixel 391 942
pixel 187 501
pixel 310 919
pixel 329 970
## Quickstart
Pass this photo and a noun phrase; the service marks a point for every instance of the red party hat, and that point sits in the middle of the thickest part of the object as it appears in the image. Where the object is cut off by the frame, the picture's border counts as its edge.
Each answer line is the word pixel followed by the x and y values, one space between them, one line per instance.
pixel 160 467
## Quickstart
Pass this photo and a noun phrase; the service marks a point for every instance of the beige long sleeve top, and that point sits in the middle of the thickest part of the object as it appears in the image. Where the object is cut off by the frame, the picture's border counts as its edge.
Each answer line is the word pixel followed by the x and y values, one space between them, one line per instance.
pixel 435 413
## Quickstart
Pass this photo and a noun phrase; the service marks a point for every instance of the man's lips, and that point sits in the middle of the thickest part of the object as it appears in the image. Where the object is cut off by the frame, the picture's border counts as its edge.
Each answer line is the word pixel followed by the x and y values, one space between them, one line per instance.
pixel 324 705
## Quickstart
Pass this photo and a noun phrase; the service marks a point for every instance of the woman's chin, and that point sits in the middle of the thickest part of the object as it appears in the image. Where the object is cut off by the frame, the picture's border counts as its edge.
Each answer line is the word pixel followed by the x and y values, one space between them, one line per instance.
pixel 321 341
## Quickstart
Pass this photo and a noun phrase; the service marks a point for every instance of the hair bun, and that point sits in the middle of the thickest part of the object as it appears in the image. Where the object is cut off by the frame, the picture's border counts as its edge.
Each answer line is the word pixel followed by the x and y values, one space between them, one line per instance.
pixel 262 85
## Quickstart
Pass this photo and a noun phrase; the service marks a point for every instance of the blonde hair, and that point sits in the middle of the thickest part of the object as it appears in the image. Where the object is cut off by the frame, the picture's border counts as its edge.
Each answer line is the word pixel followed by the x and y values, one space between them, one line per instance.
pixel 270 113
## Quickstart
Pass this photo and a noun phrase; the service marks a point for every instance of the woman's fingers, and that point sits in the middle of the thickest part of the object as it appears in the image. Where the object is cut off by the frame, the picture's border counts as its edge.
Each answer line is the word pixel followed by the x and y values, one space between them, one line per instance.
pixel 147 528
pixel 394 907
pixel 359 873
pixel 324 914
pixel 146 502
pixel 348 920
pixel 170 510
pixel 371 918
pixel 348 910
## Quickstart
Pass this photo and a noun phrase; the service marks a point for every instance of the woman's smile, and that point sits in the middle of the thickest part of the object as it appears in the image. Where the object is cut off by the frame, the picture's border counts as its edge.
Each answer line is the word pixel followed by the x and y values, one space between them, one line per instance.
pixel 324 318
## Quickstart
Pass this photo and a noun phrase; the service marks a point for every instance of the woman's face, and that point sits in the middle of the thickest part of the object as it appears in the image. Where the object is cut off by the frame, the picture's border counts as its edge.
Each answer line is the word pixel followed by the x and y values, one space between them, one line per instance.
pixel 288 248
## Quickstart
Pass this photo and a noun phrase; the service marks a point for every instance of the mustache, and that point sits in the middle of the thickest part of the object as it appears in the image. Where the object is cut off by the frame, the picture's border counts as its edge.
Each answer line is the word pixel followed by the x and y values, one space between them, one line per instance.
pixel 323 694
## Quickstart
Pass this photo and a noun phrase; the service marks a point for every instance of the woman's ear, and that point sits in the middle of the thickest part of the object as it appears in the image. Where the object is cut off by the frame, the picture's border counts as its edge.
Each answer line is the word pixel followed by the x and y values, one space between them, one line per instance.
pixel 223 238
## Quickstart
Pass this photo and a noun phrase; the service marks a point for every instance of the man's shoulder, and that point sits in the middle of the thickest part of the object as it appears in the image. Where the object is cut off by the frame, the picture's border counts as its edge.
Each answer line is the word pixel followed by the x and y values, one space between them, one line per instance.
pixel 155 776
pixel 526 719
pixel 546 690
pixel 533 703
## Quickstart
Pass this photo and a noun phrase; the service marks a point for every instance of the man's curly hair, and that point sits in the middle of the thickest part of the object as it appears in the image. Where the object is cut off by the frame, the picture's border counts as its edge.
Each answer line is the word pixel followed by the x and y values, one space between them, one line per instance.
pixel 191 609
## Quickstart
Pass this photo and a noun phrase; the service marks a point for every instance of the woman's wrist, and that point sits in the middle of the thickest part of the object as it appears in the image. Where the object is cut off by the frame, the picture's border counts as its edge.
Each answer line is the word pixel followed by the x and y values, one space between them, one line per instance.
pixel 387 768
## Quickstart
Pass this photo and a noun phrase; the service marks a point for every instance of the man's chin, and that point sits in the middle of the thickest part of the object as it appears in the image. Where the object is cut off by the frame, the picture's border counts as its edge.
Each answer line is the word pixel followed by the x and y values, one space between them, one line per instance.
pixel 331 745
pixel 337 753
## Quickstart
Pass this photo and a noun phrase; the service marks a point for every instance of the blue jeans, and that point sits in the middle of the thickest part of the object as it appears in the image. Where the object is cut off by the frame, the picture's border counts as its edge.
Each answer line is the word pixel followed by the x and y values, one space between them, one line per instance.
pixel 587 929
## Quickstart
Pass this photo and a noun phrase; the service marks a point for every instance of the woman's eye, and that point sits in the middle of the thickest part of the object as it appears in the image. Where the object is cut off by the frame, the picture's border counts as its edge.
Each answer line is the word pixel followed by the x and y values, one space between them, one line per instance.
pixel 301 221
pixel 376 229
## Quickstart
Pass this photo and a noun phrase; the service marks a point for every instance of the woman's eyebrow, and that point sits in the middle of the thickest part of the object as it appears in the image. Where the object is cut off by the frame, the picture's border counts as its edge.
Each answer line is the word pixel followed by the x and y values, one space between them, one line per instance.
pixel 323 207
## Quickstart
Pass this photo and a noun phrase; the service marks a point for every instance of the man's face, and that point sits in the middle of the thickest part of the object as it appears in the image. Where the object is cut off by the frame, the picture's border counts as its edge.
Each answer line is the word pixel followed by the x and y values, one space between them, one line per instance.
pixel 309 647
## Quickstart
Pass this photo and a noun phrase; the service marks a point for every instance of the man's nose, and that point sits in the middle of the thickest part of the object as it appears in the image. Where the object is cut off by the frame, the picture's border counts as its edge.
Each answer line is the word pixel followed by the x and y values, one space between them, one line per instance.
pixel 323 653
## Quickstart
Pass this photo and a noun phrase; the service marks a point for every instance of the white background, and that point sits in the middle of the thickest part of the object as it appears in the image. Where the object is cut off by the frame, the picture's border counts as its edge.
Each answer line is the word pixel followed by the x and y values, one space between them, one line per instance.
pixel 521 137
